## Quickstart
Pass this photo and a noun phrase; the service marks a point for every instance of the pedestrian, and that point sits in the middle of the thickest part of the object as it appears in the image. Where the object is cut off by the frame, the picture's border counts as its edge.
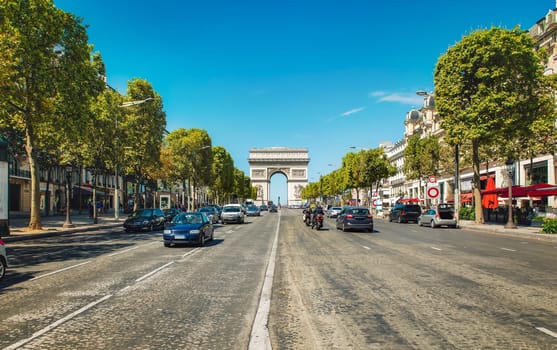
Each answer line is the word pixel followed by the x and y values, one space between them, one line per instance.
pixel 99 207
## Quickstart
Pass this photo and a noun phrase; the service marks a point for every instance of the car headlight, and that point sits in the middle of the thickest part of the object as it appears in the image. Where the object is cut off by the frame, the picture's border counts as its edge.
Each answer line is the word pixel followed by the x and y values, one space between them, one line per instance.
pixel 195 231
pixel 145 222
pixel 167 232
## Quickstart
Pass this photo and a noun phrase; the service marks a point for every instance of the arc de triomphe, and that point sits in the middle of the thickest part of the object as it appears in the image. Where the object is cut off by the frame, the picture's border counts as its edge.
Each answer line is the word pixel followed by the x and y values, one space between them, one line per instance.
pixel 291 162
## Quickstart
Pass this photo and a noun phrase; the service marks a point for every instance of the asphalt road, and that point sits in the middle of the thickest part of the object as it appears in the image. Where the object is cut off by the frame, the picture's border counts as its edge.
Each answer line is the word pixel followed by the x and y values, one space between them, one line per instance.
pixel 411 287
pixel 401 287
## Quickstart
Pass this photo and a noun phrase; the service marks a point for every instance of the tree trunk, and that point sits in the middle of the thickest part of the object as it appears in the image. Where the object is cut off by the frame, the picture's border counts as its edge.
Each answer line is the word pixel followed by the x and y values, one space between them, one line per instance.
pixel 477 193
pixel 35 216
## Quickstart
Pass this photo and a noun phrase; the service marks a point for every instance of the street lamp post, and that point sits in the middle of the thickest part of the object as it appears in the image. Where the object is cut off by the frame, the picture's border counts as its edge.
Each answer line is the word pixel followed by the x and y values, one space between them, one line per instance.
pixel 68 223
pixel 117 181
pixel 509 167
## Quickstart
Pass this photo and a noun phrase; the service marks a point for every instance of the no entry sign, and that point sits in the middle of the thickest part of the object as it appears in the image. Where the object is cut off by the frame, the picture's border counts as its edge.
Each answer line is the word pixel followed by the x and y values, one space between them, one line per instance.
pixel 433 192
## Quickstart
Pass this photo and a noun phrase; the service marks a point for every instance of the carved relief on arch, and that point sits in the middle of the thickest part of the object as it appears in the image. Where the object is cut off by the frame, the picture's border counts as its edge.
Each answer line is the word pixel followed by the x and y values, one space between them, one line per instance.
pixel 258 173
pixel 299 173
pixel 273 171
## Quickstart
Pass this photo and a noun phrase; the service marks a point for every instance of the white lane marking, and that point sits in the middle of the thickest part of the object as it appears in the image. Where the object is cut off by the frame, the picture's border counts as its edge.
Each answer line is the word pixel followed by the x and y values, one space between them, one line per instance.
pixel 123 251
pixel 61 270
pixel 57 323
pixel 153 272
pixel 365 247
pixel 547 331
pixel 436 248
pixel 259 337
pixel 509 250
pixel 190 252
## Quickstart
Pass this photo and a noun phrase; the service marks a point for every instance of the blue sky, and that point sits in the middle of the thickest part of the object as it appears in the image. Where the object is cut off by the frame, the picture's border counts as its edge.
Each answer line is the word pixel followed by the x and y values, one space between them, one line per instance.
pixel 324 75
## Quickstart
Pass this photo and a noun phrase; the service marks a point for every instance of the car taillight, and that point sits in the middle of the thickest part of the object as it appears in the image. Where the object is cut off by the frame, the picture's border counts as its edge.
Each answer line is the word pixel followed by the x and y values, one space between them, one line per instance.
pixel 370 216
pixel 402 212
pixel 1 242
pixel 437 215
pixel 349 216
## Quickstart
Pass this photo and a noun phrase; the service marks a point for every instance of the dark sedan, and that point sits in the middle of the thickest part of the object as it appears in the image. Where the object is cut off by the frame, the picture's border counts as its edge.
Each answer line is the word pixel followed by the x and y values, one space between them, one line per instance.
pixel 355 218
pixel 145 219
pixel 170 213
pixel 189 227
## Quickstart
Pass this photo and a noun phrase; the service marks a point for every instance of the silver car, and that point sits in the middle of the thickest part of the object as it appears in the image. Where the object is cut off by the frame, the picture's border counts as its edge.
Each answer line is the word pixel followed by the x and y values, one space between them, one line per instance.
pixel 3 259
pixel 232 213
pixel 333 212
pixel 443 215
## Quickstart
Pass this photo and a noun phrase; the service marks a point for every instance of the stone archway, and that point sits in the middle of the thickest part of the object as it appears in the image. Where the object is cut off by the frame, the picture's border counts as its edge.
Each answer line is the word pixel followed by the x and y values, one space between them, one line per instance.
pixel 291 162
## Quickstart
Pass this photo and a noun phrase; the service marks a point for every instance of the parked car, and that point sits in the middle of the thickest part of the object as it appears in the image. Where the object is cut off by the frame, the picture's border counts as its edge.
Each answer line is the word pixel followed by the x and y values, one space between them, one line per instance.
pixel 405 213
pixel 211 213
pixel 263 207
pixel 232 213
pixel 333 212
pixel 188 227
pixel 145 219
pixel 273 209
pixel 253 210
pixel 443 215
pixel 170 213
pixel 355 218
pixel 3 259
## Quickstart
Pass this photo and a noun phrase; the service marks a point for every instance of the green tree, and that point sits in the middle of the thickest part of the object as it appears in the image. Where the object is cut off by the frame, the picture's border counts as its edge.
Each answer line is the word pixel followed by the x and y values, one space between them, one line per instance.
pixel 47 79
pixel 422 157
pixel 192 159
pixel 223 173
pixel 485 89
pixel 143 129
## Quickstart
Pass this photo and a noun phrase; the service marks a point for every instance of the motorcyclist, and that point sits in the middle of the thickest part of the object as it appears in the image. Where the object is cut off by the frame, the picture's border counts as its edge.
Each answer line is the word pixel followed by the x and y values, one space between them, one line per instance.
pixel 307 214
pixel 318 210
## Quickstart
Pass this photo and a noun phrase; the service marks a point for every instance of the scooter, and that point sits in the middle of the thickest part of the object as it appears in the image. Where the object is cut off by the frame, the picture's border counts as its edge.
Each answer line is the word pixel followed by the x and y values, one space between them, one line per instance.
pixel 317 222
pixel 307 219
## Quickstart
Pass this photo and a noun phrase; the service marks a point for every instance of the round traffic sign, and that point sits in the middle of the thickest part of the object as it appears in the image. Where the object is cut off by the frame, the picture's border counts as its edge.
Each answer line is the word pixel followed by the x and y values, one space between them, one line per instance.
pixel 432 179
pixel 374 202
pixel 433 192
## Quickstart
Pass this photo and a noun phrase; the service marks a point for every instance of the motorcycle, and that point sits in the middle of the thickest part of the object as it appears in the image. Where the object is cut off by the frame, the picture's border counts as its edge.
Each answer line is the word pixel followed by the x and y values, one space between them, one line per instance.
pixel 317 222
pixel 307 219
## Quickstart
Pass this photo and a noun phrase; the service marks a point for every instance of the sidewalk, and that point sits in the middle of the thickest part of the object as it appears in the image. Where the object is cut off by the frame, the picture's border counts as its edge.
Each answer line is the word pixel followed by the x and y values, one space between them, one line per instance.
pixel 520 231
pixel 53 225
pixel 498 228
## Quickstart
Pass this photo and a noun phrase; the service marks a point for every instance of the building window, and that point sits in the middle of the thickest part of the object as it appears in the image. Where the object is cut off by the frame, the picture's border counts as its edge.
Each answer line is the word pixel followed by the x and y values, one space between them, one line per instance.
pixel 538 173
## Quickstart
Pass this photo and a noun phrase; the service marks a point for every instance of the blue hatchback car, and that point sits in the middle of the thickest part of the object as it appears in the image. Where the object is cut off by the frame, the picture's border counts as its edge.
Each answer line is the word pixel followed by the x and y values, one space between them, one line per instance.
pixel 188 227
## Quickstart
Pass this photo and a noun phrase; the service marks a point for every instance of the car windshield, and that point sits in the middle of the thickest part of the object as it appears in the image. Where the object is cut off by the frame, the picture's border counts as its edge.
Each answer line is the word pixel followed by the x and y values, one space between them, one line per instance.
pixel 359 211
pixel 231 209
pixel 252 207
pixel 189 218
pixel 141 213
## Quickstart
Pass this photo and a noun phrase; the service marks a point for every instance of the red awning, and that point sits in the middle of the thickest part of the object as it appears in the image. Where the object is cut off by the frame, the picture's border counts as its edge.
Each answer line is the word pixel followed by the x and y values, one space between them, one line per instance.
pixel 522 191
pixel 543 192
pixel 409 200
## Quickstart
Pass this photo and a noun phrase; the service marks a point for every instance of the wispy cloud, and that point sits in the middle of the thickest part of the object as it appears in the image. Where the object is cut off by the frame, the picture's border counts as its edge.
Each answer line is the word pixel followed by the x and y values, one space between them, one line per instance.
pixel 403 98
pixel 352 111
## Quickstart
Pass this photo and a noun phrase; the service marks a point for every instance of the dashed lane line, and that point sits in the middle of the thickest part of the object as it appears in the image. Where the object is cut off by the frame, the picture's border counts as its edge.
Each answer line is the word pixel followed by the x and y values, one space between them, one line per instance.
pixel 153 272
pixel 547 331
pixel 508 250
pixel 57 323
pixel 61 270
pixel 123 251
pixel 366 247
pixel 439 249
